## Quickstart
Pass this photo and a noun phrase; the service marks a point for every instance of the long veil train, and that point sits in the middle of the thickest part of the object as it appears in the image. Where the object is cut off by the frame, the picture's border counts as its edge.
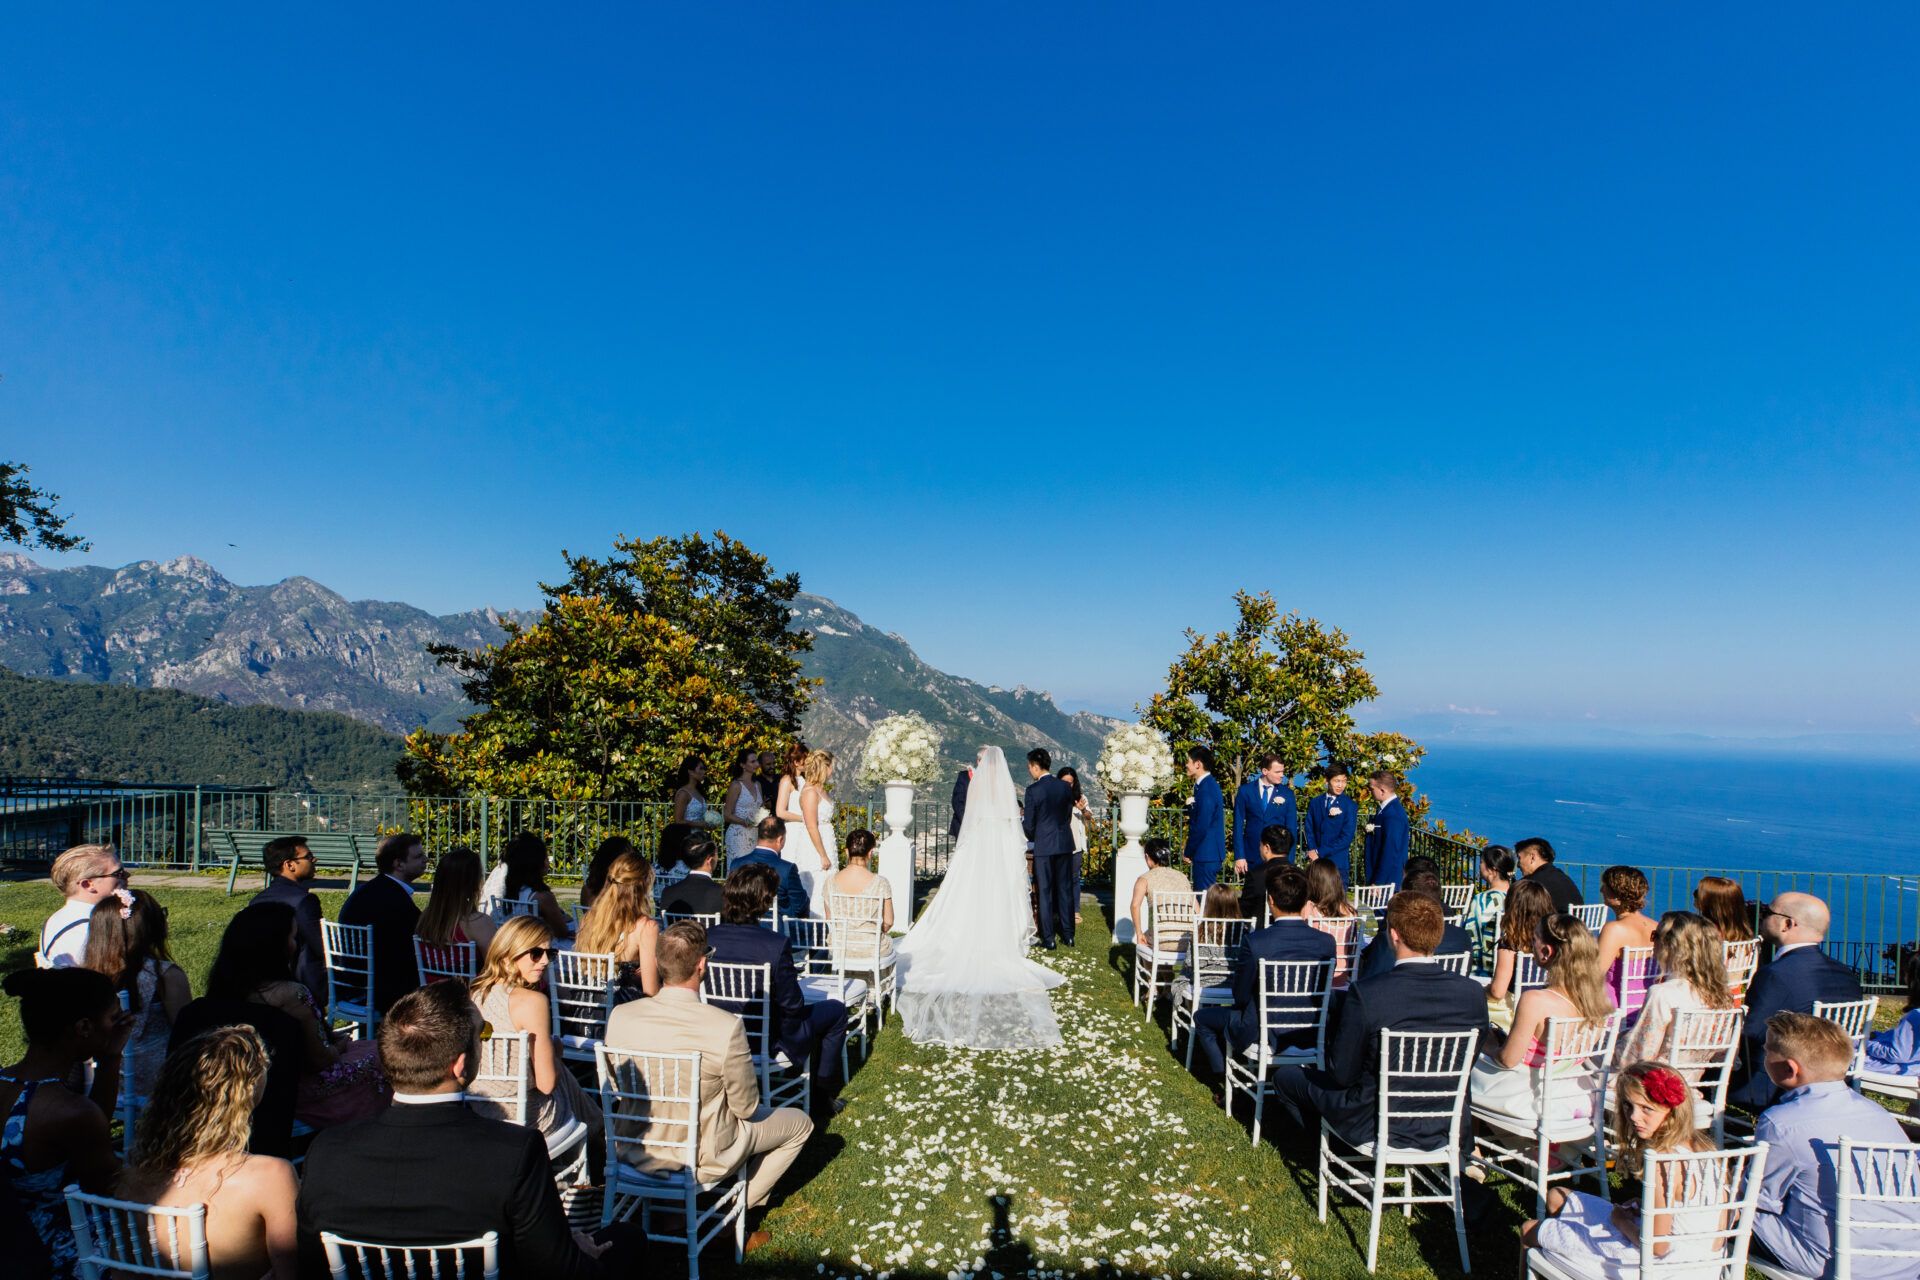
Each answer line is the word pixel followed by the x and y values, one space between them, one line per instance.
pixel 963 970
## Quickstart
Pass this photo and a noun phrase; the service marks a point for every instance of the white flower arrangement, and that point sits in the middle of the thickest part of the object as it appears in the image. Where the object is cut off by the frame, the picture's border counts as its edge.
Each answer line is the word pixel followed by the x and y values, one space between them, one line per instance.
pixel 1135 758
pixel 901 748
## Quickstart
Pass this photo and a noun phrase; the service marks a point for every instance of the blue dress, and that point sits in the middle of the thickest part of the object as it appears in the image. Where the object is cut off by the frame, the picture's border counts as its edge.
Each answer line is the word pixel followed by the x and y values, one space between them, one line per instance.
pixel 42 1195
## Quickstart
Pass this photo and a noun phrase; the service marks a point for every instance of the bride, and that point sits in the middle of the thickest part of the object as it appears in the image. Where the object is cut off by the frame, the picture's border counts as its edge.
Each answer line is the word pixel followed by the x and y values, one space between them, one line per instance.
pixel 963 970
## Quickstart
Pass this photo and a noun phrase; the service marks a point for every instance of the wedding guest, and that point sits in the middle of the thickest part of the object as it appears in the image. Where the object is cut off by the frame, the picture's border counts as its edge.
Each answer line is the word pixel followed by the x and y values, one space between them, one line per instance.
pixel 1724 902
pixel 53 1136
pixel 669 866
pixel 1693 975
pixel 1378 956
pixel 1535 857
pixel 271 1123
pixel 1566 949
pixel 1276 849
pixel 386 903
pixel 1220 1030
pixel 1160 878
pixel 738 1132
pixel 960 784
pixel 341 1078
pixel 1485 907
pixel 127 941
pixel 596 877
pixel 1262 801
pixel 1206 849
pixel 872 895
pixel 690 794
pixel 527 866
pixel 1387 833
pixel 509 996
pixel 792 893
pixel 191 1149
pixel 767 778
pixel 290 867
pixel 429 1169
pixel 741 805
pixel 1528 904
pixel 84 875
pixel 809 1033
pixel 1585 1235
pixel 621 923
pixel 698 893
pixel 1624 890
pixel 453 913
pixel 1807 1060
pixel 810 845
pixel 1332 818
pixel 1329 911
pixel 1896 1051
pixel 1800 974
pixel 1077 822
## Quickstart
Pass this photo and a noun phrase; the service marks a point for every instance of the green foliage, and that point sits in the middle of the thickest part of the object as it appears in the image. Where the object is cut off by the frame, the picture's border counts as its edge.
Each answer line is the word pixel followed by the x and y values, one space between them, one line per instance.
pixel 27 515
pixel 54 729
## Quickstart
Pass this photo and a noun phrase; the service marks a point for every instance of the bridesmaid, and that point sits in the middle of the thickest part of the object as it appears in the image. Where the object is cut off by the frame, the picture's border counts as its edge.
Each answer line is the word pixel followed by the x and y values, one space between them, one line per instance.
pixel 742 802
pixel 810 847
pixel 689 794
pixel 786 805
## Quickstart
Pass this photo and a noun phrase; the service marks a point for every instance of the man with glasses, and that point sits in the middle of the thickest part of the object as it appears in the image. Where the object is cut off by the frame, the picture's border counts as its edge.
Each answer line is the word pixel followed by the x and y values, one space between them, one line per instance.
pixel 84 875
pixel 1799 974
pixel 289 866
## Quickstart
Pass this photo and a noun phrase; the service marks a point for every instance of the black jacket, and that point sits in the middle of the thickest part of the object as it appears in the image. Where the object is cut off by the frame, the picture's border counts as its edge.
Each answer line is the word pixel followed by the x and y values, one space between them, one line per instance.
pixel 695 895
pixel 383 903
pixel 960 785
pixel 1048 818
pixel 1559 886
pixel 310 966
pixel 1378 958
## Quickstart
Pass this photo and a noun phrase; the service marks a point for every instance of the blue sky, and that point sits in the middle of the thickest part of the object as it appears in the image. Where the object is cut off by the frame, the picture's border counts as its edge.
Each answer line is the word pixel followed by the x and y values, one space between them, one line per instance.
pixel 1564 357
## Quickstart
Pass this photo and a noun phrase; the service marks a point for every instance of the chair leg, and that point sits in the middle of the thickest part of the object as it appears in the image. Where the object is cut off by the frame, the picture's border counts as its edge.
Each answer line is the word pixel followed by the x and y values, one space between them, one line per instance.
pixel 1193 1033
pixel 1323 1175
pixel 692 1220
pixel 1259 1105
pixel 1459 1214
pixel 1373 1218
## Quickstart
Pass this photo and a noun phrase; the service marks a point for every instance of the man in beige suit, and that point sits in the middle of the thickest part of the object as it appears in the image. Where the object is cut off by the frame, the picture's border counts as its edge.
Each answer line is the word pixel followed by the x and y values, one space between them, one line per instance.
pixel 736 1131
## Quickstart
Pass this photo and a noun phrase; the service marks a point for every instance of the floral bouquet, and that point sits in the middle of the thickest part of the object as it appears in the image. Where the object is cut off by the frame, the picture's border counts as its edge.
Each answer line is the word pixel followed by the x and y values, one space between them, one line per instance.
pixel 1135 758
pixel 901 748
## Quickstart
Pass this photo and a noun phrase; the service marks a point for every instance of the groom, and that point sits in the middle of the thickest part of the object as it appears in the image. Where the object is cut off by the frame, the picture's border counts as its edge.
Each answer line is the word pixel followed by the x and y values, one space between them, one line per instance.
pixel 1047 823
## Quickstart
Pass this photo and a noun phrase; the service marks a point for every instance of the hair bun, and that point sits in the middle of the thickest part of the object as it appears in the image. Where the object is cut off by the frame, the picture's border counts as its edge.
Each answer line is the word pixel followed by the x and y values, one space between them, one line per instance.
pixel 21 983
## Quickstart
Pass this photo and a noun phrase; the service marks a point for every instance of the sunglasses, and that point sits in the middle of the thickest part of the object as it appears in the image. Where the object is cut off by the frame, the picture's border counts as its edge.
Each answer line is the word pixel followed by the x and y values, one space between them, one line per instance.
pixel 540 953
pixel 1769 911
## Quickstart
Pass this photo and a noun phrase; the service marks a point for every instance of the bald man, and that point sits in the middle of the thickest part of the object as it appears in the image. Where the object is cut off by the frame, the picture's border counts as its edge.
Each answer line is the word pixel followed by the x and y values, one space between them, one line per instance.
pixel 1800 973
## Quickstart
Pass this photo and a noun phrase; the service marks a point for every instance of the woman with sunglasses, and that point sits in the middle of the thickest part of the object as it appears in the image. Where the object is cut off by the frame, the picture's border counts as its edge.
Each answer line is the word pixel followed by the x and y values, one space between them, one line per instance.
pixel 508 994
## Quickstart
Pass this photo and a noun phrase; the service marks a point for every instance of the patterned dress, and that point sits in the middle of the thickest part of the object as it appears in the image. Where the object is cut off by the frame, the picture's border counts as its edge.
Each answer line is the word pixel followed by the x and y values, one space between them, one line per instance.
pixel 41 1195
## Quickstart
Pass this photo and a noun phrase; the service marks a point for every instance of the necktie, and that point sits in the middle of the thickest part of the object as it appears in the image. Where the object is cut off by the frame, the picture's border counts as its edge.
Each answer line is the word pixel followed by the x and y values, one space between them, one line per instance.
pixel 1266 794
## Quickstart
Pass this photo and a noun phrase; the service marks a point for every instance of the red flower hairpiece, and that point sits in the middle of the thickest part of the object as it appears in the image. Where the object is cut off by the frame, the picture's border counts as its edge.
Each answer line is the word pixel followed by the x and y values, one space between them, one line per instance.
pixel 1665 1087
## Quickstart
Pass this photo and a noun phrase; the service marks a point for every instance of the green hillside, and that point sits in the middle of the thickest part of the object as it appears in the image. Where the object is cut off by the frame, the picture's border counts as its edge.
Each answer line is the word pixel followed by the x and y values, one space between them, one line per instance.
pixel 55 728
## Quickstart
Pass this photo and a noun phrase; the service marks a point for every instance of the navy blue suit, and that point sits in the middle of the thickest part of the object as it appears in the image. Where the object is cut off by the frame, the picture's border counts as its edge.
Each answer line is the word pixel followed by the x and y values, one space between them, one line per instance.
pixel 1791 983
pixel 1284 939
pixel 1332 833
pixel 310 966
pixel 1387 844
pixel 1048 821
pixel 1378 958
pixel 800 1030
pixel 960 785
pixel 1206 832
pixel 1251 817
pixel 793 893
pixel 387 905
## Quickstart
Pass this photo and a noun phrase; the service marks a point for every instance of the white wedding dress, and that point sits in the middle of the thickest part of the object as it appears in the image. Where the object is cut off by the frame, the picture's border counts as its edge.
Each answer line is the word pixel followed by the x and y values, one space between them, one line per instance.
pixel 963 971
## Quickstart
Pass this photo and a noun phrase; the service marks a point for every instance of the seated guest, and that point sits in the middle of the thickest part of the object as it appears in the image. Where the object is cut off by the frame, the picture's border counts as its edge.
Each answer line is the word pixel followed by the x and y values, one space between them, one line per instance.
pixel 737 1130
pixel 1378 957
pixel 1276 850
pixel 290 866
pixel 874 897
pixel 1896 1051
pixel 53 1136
pixel 804 1032
pixel 621 923
pixel 1485 907
pixel 127 941
pixel 453 913
pixel 191 1148
pixel 526 882
pixel 1289 937
pixel 428 1170
pixel 1807 1059
pixel 1535 857
pixel 1800 973
pixel 510 999
pixel 669 867
pixel 271 1131
pixel 386 903
pixel 1724 902
pixel 698 893
pixel 1624 890
pixel 1586 1235
pixel 1527 905
pixel 1336 916
pixel 792 892
pixel 1160 878
pixel 1507 1083
pixel 596 875
pixel 84 875
pixel 1693 975
pixel 340 1078
pixel 1415 995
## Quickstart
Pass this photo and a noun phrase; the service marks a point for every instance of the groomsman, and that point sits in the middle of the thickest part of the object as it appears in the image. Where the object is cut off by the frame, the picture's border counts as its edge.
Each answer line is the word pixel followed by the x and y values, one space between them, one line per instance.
pixel 1331 821
pixel 960 785
pixel 1264 800
pixel 1387 834
pixel 1206 821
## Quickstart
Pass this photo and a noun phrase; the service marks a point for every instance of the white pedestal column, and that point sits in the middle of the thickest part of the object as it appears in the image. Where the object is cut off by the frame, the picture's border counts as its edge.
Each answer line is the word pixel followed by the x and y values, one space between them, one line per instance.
pixel 896 853
pixel 1129 863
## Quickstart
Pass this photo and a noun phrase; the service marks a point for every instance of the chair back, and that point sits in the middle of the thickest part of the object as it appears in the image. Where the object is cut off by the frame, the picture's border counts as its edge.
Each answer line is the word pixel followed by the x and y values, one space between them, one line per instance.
pixel 1294 996
pixel 1172 918
pixel 705 919
pixel 1710 1198
pixel 746 990
pixel 476 1259
pixel 1216 949
pixel 772 918
pixel 505 909
pixel 1743 958
pixel 580 987
pixel 1856 1018
pixel 650 1109
pixel 348 949
pixel 1369 898
pixel 1457 896
pixel 1879 1210
pixel 1593 915
pixel 1578 1058
pixel 1636 975
pixel 122 1238
pixel 1527 973
pixel 1460 962
pixel 1345 932
pixel 439 962
pixel 503 1060
pixel 1423 1077
pixel 1705 1044
pixel 811 941
pixel 857 932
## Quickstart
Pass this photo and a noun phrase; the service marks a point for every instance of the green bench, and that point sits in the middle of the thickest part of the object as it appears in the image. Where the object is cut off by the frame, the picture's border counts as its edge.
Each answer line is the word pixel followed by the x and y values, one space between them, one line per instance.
pixel 334 850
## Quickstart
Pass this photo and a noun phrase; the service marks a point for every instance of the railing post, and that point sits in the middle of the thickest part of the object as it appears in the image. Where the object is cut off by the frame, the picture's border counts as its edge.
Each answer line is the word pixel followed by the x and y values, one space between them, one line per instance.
pixel 486 828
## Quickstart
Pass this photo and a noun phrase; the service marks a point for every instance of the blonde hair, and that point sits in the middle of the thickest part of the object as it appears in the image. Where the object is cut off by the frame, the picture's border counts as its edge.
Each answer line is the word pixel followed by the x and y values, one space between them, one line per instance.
pixel 81 862
pixel 1688 947
pixel 201 1106
pixel 1573 967
pixel 1819 1044
pixel 1676 1133
pixel 626 898
pixel 514 939
pixel 819 764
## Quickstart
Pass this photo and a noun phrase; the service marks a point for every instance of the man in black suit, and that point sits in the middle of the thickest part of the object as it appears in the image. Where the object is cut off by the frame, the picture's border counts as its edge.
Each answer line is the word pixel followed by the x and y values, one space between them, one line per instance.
pixel 699 892
pixel 960 785
pixel 1378 957
pixel 386 903
pixel 789 891
pixel 1535 856
pixel 428 1171
pixel 1414 995
pixel 1276 852
pixel 1799 974
pixel 806 1033
pixel 1047 820
pixel 1289 937
pixel 289 865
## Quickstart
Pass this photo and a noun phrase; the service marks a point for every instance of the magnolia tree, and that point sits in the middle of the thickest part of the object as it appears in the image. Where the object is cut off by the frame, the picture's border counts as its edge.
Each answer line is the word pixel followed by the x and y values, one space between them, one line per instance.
pixel 1135 758
pixel 901 748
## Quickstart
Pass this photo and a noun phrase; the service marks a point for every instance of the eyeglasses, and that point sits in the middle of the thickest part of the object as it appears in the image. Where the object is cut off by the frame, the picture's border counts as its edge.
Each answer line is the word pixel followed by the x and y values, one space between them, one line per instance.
pixel 540 953
pixel 1769 911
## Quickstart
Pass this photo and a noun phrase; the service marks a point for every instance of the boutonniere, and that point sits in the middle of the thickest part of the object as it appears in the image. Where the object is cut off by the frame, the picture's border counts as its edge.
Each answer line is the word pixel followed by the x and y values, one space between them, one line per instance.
pixel 1372 826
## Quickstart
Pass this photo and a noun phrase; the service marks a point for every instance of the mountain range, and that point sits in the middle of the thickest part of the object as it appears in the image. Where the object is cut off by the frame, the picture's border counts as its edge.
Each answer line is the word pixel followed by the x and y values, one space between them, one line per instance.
pixel 180 624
